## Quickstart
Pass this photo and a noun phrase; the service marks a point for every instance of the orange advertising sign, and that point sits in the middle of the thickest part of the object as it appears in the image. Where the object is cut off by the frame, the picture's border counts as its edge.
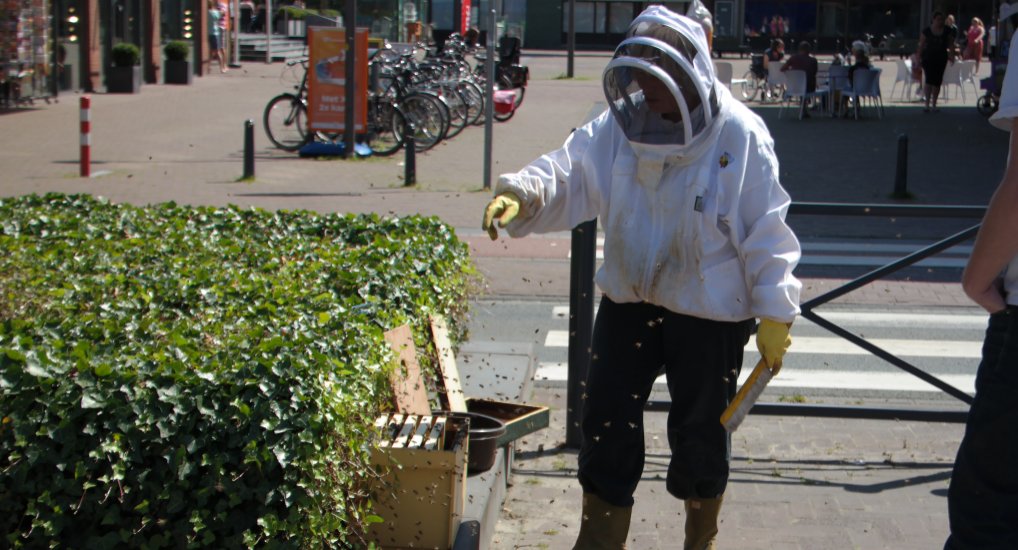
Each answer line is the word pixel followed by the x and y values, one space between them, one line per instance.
pixel 327 79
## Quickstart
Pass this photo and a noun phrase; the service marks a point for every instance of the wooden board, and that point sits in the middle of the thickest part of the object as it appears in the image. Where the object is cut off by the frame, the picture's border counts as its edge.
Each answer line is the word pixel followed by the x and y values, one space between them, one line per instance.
pixel 519 419
pixel 407 380
pixel 453 397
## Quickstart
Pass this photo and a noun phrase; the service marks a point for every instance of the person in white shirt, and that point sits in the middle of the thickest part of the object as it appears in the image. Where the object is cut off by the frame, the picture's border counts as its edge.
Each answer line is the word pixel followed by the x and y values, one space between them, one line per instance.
pixel 685 182
pixel 982 499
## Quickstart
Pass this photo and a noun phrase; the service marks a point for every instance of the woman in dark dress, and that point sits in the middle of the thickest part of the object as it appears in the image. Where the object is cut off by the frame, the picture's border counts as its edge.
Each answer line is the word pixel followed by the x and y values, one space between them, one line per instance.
pixel 935 45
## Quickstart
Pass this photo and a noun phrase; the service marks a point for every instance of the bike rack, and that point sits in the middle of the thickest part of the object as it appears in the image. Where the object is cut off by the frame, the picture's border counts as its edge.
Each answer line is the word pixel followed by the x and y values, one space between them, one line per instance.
pixel 581 317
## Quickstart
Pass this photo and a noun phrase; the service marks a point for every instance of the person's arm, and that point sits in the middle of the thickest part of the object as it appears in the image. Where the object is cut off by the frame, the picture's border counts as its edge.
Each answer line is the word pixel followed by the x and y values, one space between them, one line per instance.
pixel 997 241
pixel 766 244
pixel 554 191
pixel 922 44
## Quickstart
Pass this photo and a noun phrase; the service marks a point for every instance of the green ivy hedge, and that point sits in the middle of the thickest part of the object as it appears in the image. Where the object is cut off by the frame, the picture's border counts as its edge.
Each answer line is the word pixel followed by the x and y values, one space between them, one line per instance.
pixel 179 376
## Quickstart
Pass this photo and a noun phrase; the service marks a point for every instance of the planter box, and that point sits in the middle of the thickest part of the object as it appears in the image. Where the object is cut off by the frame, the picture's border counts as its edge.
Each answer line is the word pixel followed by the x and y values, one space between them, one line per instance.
pixel 422 496
pixel 123 80
pixel 177 72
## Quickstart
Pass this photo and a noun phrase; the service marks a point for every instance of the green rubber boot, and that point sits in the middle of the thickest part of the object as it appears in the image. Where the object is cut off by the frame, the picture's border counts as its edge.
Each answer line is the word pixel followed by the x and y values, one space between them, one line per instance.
pixel 603 526
pixel 702 523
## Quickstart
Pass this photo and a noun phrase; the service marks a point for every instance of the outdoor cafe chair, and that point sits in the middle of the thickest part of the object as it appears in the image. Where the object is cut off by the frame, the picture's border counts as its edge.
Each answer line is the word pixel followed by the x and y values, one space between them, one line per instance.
pixel 904 77
pixel 723 71
pixel 967 74
pixel 775 80
pixel 952 77
pixel 837 82
pixel 865 85
pixel 795 90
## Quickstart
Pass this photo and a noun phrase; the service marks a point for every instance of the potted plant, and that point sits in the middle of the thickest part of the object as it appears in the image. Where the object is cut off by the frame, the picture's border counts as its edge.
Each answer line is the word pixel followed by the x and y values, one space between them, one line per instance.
pixel 178 63
pixel 124 77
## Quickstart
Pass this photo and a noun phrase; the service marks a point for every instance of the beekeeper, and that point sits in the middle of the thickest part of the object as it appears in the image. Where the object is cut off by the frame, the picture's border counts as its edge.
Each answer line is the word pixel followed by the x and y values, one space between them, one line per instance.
pixel 685 182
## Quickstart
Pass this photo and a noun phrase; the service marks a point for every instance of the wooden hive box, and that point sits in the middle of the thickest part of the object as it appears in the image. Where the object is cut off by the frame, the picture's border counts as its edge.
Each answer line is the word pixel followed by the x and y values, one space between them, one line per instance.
pixel 422 494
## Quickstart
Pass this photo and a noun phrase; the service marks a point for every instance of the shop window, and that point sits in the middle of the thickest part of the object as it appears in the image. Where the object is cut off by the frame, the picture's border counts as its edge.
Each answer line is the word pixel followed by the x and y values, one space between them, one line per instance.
pixel 585 17
pixel 25 51
pixel 620 15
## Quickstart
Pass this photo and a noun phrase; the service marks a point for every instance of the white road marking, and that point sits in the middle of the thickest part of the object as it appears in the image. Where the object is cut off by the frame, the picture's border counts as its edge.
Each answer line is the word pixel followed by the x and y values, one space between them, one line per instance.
pixel 803 378
pixel 873 319
pixel 821 345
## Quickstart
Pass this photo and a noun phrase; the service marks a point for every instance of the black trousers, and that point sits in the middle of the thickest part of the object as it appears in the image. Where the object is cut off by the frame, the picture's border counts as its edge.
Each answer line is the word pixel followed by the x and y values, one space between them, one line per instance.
pixel 982 501
pixel 633 344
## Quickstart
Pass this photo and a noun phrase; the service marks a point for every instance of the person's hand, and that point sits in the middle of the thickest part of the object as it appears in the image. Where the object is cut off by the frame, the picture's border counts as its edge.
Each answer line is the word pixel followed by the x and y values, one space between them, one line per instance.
pixel 990 298
pixel 504 208
pixel 772 340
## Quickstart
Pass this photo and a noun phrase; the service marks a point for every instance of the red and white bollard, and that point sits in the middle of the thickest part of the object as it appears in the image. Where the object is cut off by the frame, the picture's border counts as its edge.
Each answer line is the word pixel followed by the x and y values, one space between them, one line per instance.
pixel 86 136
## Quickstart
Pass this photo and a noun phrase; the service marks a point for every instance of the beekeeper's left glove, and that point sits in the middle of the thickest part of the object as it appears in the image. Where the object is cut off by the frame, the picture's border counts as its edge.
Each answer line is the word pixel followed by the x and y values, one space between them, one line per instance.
pixel 772 340
pixel 505 207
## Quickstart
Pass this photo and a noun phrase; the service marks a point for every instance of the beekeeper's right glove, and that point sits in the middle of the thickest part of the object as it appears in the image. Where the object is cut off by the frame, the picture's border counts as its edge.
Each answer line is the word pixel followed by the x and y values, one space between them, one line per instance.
pixel 505 207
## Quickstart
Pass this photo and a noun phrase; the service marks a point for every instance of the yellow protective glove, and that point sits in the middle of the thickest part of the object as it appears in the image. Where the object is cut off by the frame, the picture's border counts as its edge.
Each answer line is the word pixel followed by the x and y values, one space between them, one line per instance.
pixel 772 340
pixel 504 208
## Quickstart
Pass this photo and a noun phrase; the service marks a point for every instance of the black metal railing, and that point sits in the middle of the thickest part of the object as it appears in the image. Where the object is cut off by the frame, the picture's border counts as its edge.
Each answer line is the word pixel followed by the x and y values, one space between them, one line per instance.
pixel 581 316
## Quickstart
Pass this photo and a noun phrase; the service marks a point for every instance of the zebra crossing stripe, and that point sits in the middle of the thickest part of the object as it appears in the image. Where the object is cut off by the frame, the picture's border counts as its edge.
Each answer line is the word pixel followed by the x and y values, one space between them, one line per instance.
pixel 860 254
pixel 819 379
pixel 821 345
pixel 872 319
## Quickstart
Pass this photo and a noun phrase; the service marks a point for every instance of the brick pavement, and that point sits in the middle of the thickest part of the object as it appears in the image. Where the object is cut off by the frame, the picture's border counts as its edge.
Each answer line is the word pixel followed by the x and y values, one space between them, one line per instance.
pixel 798 483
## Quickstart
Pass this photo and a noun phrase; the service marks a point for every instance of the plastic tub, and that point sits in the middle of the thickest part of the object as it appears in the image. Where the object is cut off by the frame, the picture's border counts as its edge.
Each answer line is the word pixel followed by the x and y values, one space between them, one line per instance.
pixel 483 443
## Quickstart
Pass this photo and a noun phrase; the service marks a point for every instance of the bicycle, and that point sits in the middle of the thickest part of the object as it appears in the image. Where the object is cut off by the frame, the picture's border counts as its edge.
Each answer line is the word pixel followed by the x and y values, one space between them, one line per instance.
pixel 393 103
pixel 508 76
pixel 286 115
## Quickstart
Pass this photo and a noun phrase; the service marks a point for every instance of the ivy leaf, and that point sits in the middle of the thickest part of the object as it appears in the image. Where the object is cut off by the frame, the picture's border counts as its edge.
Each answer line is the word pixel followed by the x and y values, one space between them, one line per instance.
pixel 34 367
pixel 281 456
pixel 92 400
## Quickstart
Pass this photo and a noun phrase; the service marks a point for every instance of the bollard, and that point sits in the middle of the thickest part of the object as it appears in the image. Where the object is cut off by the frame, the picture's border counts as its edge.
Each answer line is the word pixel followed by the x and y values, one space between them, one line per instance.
pixel 249 170
pixel 901 171
pixel 410 147
pixel 86 136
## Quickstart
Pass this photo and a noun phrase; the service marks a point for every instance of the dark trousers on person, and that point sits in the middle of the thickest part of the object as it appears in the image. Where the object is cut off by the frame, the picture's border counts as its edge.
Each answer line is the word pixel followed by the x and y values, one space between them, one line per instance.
pixel 632 345
pixel 982 501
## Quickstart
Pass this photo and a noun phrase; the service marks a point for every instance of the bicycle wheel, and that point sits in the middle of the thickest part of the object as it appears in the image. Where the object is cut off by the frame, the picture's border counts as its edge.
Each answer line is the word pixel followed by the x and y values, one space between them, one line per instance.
pixel 474 97
pixel 428 115
pixel 750 84
pixel 285 122
pixel 382 140
pixel 457 109
pixel 986 105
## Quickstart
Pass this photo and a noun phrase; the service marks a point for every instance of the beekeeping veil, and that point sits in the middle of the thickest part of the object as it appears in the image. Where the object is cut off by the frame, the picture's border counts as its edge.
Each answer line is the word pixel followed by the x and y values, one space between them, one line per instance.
pixel 666 52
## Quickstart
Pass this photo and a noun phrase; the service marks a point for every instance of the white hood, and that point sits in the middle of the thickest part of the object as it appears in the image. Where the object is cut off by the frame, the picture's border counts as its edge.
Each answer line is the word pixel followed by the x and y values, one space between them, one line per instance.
pixel 662 90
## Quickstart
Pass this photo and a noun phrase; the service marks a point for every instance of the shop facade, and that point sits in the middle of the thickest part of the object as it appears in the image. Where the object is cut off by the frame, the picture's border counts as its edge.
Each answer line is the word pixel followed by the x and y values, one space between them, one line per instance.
pixel 53 46
pixel 750 24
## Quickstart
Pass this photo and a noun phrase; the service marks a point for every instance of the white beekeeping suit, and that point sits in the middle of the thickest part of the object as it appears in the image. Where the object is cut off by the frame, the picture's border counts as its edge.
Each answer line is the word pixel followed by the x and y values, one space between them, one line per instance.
pixel 709 192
